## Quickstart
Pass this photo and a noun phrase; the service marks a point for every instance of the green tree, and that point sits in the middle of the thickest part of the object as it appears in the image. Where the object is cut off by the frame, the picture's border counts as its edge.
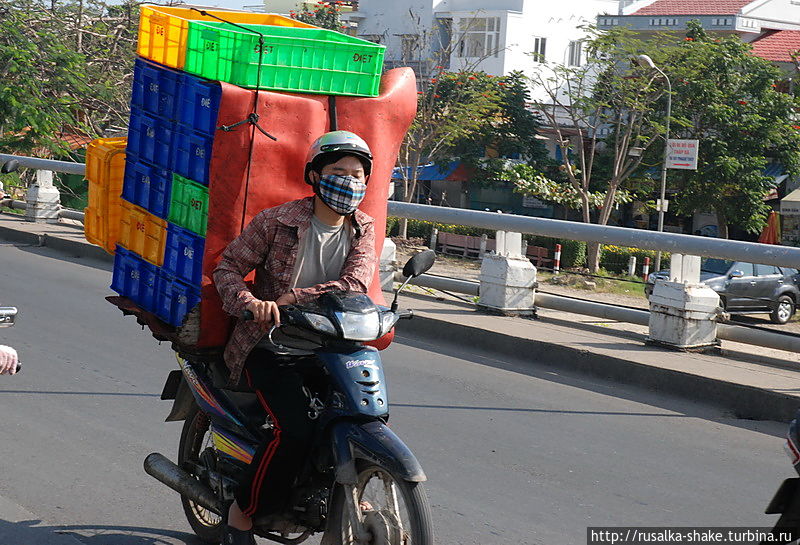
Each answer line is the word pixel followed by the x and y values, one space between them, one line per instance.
pixel 510 131
pixel 64 66
pixel 38 70
pixel 454 107
pixel 605 114
pixel 325 14
pixel 728 99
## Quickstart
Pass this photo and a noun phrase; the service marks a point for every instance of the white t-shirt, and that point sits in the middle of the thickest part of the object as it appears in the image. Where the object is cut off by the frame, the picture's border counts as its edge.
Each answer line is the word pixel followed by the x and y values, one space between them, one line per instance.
pixel 321 253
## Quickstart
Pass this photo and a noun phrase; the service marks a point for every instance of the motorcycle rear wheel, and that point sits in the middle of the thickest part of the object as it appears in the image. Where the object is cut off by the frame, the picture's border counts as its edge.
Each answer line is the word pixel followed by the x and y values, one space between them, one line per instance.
pixel 393 511
pixel 195 437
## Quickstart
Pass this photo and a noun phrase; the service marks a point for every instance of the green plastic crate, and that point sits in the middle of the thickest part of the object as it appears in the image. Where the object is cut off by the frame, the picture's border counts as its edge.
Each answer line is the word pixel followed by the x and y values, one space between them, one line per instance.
pixel 306 60
pixel 188 206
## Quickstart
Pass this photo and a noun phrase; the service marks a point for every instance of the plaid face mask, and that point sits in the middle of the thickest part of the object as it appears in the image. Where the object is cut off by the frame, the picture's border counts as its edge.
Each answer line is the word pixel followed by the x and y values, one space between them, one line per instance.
pixel 342 193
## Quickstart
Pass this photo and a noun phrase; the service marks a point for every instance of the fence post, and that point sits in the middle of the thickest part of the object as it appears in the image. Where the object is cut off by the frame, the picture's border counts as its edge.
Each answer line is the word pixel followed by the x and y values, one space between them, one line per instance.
pixel 484 240
pixel 557 259
pixel 500 243
pixel 632 266
pixel 43 199
pixel 434 236
pixel 646 269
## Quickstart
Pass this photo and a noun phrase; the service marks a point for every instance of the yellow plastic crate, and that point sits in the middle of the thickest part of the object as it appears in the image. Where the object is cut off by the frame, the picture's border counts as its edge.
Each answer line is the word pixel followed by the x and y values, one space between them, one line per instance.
pixel 163 30
pixel 105 171
pixel 143 233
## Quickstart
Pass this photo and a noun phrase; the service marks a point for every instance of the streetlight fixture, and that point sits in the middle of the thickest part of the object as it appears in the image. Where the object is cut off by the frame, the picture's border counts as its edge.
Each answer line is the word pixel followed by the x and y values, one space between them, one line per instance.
pixel 646 62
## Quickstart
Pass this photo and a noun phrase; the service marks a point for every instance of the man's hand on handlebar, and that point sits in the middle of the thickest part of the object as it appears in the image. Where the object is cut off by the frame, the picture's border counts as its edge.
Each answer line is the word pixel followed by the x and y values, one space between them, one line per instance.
pixel 265 313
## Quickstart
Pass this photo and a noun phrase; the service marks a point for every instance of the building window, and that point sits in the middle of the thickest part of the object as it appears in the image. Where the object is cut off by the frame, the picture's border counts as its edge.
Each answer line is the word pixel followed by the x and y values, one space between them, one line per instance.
pixel 575 52
pixel 480 37
pixel 608 21
pixel 721 21
pixel 660 21
pixel 539 49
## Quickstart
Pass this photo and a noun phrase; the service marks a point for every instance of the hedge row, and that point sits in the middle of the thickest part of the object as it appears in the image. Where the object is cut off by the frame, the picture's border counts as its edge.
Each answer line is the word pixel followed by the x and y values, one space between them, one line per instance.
pixel 573 253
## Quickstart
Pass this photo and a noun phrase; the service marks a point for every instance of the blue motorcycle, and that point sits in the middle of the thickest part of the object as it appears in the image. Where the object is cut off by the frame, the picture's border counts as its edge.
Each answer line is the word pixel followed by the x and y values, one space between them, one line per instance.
pixel 360 485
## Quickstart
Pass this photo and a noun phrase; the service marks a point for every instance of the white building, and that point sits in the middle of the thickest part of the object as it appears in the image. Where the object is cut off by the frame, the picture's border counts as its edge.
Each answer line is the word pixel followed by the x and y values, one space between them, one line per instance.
pixel 495 36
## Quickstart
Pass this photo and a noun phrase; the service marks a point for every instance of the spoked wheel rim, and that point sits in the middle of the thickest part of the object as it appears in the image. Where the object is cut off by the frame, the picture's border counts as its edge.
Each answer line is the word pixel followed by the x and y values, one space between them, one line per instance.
pixel 203 441
pixel 196 440
pixel 785 309
pixel 384 512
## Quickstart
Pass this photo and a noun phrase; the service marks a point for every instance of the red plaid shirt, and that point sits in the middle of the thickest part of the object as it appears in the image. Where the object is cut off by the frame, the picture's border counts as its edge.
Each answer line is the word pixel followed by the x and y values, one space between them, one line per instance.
pixel 269 245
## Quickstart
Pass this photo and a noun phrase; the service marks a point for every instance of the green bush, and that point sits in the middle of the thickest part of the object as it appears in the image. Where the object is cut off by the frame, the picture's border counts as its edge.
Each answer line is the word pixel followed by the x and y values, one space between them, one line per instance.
pixel 422 229
pixel 615 258
pixel 573 253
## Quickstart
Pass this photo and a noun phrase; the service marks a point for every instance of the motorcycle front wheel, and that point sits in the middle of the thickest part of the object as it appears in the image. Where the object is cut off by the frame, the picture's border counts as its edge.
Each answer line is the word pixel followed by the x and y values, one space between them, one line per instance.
pixel 392 511
pixel 195 438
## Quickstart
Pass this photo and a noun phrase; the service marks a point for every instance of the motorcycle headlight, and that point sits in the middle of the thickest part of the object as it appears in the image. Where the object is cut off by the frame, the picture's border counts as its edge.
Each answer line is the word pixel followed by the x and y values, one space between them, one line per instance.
pixel 360 327
pixel 320 323
pixel 388 319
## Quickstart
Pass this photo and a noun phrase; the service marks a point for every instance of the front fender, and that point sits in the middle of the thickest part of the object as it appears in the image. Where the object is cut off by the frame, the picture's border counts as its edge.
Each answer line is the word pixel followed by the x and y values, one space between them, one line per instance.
pixel 373 442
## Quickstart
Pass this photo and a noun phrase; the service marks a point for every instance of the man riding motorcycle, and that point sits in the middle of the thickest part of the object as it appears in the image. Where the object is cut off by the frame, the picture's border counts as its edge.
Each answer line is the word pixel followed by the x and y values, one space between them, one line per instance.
pixel 299 250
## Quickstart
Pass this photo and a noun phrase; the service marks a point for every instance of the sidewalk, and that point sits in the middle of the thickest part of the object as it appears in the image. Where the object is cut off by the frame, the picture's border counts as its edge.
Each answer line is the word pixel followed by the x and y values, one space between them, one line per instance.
pixel 750 381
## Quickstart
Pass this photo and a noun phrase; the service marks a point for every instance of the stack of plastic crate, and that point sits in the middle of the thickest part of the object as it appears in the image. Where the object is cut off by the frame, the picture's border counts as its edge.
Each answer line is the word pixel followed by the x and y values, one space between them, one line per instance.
pixel 164 206
pixel 165 191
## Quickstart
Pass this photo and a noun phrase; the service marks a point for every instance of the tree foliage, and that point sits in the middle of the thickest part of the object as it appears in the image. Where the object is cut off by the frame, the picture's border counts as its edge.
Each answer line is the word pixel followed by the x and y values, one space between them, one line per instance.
pixel 604 114
pixel 729 100
pixel 325 14
pixel 65 66
pixel 510 131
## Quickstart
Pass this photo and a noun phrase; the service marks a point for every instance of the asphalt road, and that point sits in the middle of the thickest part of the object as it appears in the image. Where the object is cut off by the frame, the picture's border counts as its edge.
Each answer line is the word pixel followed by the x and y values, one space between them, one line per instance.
pixel 515 453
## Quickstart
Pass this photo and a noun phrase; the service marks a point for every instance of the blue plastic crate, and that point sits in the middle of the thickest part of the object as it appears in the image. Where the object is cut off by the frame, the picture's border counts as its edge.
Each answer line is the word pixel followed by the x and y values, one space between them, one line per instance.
pixel 151 138
pixel 156 89
pixel 183 254
pixel 147 186
pixel 192 154
pixel 135 278
pixel 198 105
pixel 174 299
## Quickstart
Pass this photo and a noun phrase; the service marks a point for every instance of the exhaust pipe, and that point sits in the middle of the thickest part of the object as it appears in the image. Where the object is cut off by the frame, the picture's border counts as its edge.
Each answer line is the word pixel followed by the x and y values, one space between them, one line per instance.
pixel 162 469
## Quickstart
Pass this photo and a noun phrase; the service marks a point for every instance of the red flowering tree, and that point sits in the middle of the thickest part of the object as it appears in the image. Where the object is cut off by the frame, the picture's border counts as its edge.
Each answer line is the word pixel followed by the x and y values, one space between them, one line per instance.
pixel 324 14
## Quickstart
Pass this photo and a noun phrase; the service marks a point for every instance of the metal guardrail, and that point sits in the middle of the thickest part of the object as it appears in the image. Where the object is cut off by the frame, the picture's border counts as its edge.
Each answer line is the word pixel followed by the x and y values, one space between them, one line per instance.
pixel 46 164
pixel 784 256
pixel 751 252
pixel 729 332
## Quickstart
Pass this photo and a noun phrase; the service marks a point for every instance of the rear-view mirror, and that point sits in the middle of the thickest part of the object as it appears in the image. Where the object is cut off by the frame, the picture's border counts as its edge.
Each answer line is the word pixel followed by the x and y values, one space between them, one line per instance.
pixel 419 264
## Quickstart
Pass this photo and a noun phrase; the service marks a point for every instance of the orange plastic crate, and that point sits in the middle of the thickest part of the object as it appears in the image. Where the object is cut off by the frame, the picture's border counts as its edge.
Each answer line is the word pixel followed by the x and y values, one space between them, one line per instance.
pixel 163 30
pixel 143 233
pixel 105 170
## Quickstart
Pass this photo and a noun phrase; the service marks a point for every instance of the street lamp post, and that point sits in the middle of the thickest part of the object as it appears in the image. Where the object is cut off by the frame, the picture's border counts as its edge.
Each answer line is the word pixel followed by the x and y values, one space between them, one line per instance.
pixel 647 62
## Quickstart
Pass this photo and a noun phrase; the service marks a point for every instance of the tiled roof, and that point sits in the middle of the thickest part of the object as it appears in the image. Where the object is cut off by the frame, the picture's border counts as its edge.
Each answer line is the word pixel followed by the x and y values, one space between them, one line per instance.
pixel 693 7
pixel 777 46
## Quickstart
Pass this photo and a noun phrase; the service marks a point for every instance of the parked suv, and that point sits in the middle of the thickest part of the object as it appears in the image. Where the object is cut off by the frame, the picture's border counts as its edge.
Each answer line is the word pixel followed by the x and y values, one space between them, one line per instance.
pixel 746 288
